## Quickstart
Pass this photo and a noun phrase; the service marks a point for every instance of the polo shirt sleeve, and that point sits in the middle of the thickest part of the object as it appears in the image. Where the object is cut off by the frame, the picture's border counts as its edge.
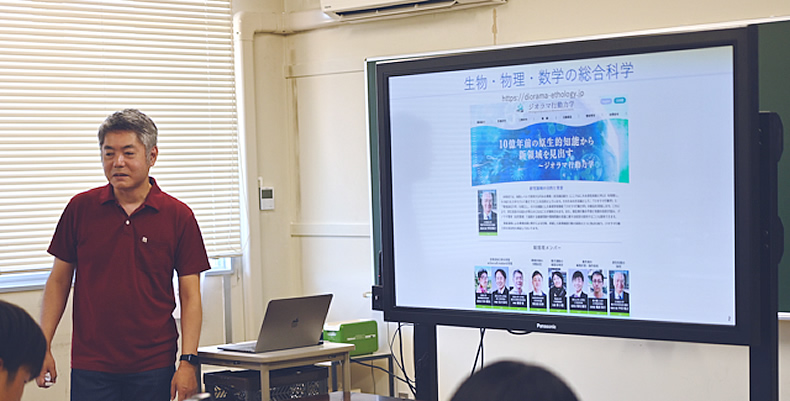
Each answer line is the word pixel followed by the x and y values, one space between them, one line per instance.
pixel 64 242
pixel 191 257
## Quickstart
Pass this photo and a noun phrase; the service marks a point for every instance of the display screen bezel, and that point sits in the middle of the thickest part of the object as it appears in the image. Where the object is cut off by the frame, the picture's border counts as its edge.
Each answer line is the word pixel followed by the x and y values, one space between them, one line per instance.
pixel 747 230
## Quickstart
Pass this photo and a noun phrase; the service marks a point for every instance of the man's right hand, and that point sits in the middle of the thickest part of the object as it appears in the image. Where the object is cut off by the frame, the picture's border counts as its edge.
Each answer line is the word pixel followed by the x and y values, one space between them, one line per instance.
pixel 56 294
pixel 49 373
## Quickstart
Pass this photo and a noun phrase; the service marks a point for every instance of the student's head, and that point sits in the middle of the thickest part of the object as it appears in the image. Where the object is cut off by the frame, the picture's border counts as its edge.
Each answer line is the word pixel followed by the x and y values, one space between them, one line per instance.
pixel 578 280
pixel 537 281
pixel 597 281
pixel 619 282
pixel 487 201
pixel 514 381
pixel 501 278
pixel 132 120
pixel 22 349
pixel 518 279
pixel 556 278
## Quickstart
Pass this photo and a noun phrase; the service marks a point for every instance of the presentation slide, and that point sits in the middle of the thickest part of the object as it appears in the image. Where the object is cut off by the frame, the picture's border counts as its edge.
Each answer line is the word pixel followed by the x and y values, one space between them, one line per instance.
pixel 600 188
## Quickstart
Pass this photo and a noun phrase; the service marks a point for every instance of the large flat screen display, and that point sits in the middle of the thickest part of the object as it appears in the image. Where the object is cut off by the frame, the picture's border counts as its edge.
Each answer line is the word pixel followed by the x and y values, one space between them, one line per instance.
pixel 593 187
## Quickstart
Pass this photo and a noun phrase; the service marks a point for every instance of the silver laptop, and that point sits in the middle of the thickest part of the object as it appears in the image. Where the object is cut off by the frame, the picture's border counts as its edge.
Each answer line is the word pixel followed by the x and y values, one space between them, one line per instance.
pixel 288 323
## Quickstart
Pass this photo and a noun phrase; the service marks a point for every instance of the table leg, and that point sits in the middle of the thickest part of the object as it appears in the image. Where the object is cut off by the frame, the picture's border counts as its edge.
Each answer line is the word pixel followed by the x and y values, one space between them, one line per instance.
pixel 346 372
pixel 334 374
pixel 265 388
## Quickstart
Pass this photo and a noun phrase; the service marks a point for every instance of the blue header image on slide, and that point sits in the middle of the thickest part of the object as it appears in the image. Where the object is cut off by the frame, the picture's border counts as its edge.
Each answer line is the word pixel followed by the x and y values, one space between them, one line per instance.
pixel 551 151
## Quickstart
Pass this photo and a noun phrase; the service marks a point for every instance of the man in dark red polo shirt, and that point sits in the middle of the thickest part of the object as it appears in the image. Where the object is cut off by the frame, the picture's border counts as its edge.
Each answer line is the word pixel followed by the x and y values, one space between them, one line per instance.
pixel 121 244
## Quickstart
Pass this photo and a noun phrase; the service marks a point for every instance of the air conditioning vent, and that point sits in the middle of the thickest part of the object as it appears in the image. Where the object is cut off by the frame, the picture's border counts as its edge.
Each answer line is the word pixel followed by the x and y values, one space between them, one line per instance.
pixel 351 10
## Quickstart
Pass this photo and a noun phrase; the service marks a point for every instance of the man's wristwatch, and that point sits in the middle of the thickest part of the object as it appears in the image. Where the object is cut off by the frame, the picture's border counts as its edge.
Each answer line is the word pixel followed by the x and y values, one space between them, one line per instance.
pixel 191 358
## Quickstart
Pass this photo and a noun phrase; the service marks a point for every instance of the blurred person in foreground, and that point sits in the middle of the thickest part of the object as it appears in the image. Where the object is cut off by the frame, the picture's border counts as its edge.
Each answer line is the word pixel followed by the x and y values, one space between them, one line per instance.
pixel 514 381
pixel 22 349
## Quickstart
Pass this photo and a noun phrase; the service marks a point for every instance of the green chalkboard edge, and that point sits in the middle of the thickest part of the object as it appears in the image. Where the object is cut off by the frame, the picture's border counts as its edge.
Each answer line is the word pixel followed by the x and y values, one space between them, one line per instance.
pixel 774 87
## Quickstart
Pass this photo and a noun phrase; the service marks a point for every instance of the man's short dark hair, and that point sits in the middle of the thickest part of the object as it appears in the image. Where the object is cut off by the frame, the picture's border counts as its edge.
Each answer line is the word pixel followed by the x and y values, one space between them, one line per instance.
pixel 22 342
pixel 536 273
pixel 598 272
pixel 578 274
pixel 480 273
pixel 130 120
pixel 501 271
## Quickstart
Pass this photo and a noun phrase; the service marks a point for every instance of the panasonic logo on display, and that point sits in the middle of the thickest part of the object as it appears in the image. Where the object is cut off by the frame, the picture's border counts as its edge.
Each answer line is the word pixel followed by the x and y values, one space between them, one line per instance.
pixel 547 326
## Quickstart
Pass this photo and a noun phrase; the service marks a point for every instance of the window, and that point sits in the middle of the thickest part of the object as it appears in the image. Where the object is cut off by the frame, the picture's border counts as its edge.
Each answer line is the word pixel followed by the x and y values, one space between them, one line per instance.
pixel 65 66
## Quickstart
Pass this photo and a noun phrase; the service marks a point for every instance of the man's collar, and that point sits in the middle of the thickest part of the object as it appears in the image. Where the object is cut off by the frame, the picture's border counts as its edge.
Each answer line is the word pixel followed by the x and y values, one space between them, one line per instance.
pixel 153 199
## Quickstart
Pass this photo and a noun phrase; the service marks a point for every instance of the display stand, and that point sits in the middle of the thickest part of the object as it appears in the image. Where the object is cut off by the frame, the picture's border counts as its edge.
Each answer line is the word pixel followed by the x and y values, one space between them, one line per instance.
pixel 763 354
pixel 426 368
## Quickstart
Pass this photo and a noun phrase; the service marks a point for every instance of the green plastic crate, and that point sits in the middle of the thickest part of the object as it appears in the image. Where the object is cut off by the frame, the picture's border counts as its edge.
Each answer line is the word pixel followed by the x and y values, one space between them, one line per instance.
pixel 362 333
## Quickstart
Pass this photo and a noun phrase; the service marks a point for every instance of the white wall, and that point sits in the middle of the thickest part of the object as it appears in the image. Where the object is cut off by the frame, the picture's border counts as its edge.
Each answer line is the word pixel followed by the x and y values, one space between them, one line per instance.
pixel 324 74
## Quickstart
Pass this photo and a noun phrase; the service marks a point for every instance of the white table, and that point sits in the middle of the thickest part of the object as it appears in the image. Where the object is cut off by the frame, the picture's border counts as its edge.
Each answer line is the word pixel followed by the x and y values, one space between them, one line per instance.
pixel 268 361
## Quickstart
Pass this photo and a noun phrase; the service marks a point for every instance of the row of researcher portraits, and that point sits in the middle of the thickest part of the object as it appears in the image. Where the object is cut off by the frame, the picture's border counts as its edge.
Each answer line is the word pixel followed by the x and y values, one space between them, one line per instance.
pixel 587 291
